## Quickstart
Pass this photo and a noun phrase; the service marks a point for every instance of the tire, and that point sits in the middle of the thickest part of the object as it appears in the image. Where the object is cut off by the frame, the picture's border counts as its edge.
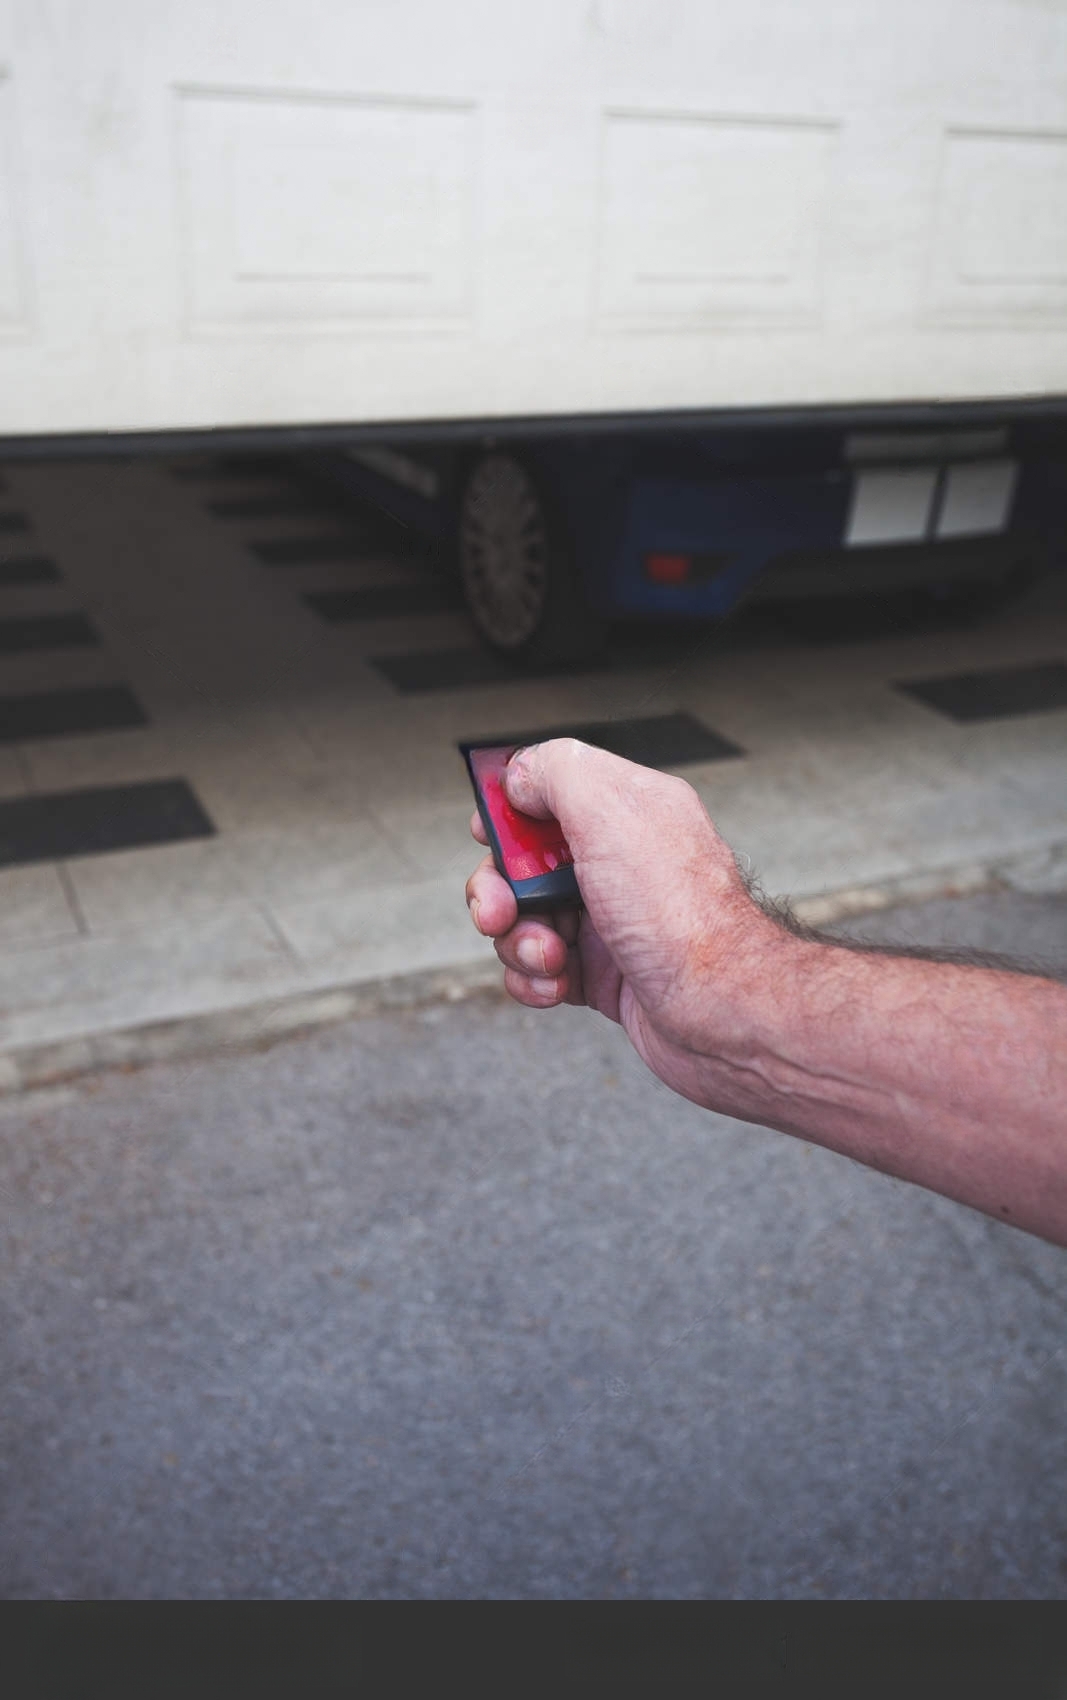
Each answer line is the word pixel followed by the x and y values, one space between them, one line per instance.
pixel 519 581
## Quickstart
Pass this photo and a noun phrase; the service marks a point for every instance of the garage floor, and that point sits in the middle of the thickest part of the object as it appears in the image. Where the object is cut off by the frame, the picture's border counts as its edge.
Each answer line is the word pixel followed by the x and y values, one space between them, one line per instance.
pixel 229 707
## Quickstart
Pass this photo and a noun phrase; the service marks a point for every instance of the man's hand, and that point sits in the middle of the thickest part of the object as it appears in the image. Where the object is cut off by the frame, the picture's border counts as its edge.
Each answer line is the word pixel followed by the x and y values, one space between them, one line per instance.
pixel 669 944
pixel 951 1076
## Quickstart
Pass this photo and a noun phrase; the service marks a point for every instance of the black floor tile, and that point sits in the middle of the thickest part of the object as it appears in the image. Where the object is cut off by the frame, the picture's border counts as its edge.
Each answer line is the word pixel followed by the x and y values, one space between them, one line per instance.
pixel 310 551
pixel 663 740
pixel 456 669
pixel 63 714
pixel 46 631
pixel 11 521
pixel 233 466
pixel 679 648
pixel 385 601
pixel 996 693
pixel 29 569
pixel 278 504
pixel 87 823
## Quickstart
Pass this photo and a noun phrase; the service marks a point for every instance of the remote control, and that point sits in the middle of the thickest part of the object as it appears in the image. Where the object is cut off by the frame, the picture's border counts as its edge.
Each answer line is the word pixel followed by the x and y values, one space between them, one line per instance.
pixel 532 855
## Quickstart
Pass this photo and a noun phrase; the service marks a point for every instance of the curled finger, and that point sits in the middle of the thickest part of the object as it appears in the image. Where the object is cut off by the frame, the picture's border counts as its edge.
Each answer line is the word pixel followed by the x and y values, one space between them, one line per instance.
pixel 491 900
pixel 536 991
pixel 533 947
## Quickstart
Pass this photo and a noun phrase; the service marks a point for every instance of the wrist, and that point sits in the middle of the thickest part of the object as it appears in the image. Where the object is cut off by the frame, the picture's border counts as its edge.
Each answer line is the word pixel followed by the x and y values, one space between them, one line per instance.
pixel 771 1043
pixel 806 1053
pixel 771 991
pixel 745 974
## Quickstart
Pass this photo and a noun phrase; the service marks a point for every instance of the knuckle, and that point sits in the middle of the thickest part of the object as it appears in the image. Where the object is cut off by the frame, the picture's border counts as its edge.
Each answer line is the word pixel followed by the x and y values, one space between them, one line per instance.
pixel 681 789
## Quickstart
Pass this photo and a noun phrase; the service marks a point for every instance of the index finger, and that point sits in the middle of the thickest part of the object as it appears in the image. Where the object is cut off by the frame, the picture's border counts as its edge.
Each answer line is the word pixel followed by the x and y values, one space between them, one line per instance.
pixel 491 900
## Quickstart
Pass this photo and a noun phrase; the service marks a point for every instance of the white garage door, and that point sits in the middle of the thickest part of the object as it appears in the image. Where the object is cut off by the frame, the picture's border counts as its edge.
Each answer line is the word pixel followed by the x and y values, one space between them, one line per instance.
pixel 280 211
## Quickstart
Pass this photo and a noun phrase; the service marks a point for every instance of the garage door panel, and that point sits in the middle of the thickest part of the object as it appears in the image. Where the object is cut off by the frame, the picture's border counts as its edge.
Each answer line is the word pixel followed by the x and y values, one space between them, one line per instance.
pixel 318 210
pixel 707 216
pixel 999 246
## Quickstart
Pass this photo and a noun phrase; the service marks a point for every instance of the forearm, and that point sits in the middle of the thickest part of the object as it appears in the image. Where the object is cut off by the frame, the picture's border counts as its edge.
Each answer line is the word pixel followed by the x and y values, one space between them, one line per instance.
pixel 953 1077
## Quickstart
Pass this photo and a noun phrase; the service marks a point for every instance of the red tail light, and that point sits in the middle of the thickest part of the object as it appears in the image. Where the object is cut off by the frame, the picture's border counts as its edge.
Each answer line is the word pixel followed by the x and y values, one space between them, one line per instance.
pixel 668 569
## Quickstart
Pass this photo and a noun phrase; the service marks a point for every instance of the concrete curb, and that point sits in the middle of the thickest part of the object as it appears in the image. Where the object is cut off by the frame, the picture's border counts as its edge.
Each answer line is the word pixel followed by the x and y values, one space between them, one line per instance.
pixel 249 1027
pixel 1041 872
pixel 252 1026
pixel 962 881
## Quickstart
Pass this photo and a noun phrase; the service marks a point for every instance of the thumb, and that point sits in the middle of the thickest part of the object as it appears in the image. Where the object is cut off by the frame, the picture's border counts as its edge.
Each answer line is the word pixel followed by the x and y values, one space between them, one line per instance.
pixel 548 779
pixel 528 783
pixel 577 784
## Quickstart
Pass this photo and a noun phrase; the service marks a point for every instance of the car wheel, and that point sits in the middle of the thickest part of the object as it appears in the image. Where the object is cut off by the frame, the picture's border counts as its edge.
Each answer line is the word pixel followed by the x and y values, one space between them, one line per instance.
pixel 518 581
